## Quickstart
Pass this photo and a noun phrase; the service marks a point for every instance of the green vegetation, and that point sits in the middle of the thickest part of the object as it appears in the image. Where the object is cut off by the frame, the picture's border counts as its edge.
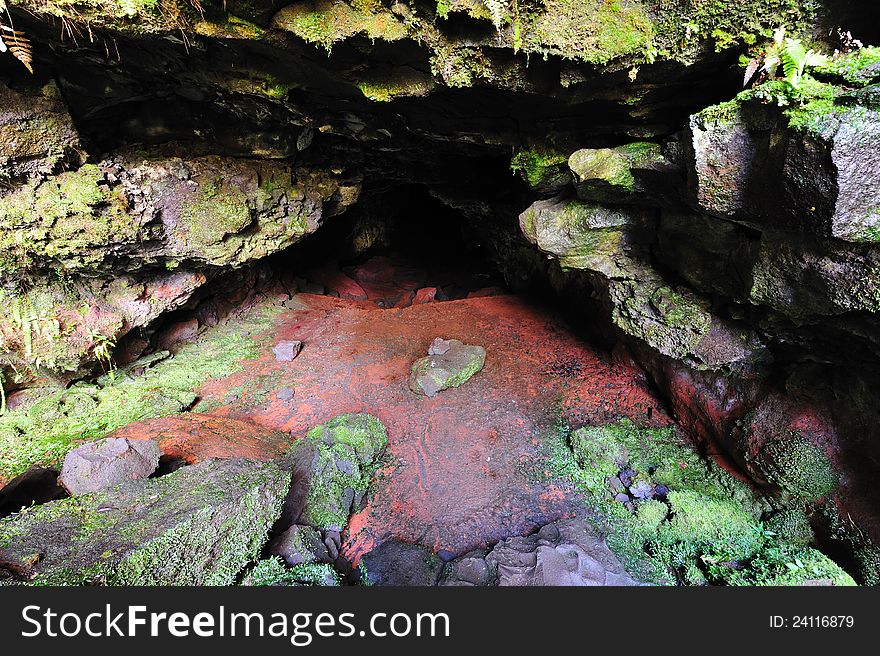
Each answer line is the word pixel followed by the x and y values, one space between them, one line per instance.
pixel 594 31
pixel 273 571
pixel 388 90
pixel 43 433
pixel 801 469
pixel 728 24
pixel 707 528
pixel 538 167
pixel 325 22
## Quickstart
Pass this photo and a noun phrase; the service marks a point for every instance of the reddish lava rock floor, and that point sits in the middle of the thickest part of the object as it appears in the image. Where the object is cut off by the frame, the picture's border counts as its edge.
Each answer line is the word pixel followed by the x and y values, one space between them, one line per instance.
pixel 467 467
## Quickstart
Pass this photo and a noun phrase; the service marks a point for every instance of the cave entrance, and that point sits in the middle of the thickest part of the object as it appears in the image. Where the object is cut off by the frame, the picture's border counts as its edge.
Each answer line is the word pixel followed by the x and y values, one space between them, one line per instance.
pixel 394 248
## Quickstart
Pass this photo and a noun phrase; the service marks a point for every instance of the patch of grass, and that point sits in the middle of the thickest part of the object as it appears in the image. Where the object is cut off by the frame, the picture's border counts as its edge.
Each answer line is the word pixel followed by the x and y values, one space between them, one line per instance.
pixel 44 433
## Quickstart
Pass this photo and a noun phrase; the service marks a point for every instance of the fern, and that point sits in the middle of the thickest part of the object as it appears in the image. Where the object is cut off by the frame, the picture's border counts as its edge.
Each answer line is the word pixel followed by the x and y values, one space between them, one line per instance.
pixel 498 9
pixel 15 42
pixel 794 58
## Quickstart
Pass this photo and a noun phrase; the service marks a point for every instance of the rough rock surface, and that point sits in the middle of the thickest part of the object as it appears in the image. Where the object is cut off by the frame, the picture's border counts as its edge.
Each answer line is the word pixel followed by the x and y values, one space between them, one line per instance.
pixel 568 553
pixel 401 564
pixel 99 465
pixel 451 368
pixel 298 545
pixel 195 437
pixel 198 526
pixel 334 463
pixel 37 134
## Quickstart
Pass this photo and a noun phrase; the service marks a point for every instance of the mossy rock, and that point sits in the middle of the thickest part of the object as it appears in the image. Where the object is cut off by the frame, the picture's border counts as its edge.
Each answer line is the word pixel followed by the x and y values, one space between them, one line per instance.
pixel 201 525
pixel 324 22
pixel 435 373
pixel 337 461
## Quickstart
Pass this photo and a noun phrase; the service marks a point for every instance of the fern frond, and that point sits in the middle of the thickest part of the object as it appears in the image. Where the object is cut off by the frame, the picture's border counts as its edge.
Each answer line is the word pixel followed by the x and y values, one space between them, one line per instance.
pixel 18 46
pixel 497 8
pixel 794 59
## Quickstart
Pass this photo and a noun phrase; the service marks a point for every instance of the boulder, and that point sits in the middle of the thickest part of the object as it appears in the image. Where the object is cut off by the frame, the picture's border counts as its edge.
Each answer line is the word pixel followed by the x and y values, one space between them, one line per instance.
pixel 638 173
pixel 99 465
pixel 201 525
pixel 670 318
pixel 332 467
pixel 453 368
pixel 812 171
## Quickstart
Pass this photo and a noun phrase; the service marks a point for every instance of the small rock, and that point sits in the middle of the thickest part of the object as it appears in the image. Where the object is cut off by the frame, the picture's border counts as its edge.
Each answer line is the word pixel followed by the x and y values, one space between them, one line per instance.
pixel 642 490
pixel 332 548
pixel 425 295
pixel 285 394
pixel 626 476
pixel 105 463
pixel 615 485
pixel 485 292
pixel 452 369
pixel 300 544
pixel 287 350
pixel 661 491
pixel 621 497
pixel 439 346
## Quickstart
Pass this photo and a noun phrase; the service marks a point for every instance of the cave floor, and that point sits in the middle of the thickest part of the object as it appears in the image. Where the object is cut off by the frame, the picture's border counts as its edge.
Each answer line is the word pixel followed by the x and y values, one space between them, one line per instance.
pixel 465 468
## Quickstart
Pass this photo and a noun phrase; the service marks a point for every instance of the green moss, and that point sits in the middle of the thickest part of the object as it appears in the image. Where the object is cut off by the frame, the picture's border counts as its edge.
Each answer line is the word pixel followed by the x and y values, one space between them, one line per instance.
pixel 709 528
pixel 792 525
pixel 728 24
pixel 43 434
pixel 198 526
pixel 853 67
pixel 801 469
pixel 68 219
pixel 137 16
pixel 713 529
pixel 785 566
pixel 388 90
pixel 218 210
pixel 603 165
pixel 355 440
pixel 594 31
pixel 325 23
pixel 273 571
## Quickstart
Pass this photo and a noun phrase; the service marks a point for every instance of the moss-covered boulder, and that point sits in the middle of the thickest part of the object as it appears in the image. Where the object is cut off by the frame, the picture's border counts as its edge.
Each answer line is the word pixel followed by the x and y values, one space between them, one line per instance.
pixel 332 467
pixel 141 209
pixel 637 173
pixel 201 525
pixel 798 158
pixel 449 366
